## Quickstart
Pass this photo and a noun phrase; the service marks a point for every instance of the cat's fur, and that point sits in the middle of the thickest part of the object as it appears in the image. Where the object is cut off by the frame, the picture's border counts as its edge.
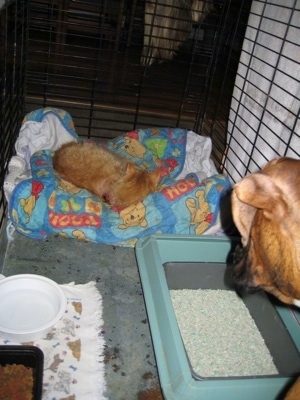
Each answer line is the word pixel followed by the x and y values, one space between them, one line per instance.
pixel 113 178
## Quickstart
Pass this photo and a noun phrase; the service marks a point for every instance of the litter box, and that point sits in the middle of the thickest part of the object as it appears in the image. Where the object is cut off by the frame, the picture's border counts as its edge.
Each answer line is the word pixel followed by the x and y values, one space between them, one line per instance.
pixel 168 262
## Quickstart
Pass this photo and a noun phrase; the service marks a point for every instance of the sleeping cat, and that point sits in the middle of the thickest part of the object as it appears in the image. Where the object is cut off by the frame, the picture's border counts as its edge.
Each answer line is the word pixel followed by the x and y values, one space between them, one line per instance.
pixel 111 177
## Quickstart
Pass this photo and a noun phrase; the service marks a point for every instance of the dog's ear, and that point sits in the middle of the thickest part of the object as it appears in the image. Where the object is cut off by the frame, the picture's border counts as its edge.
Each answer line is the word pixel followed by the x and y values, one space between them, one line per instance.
pixel 257 191
pixel 243 215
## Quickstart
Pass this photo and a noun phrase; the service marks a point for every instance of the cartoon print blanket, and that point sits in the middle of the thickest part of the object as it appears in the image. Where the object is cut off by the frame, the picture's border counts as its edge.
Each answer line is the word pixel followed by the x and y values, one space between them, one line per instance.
pixel 45 204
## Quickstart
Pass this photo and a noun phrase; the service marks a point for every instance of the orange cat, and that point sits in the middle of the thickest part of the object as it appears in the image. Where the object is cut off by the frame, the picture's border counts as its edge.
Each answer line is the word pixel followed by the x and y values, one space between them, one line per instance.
pixel 111 177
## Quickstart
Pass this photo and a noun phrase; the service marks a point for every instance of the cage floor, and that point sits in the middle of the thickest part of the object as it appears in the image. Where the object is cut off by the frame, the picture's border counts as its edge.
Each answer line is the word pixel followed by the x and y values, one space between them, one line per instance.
pixel 129 359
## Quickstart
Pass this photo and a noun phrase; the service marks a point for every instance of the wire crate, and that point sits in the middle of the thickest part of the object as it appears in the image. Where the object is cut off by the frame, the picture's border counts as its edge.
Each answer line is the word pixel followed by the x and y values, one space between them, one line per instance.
pixel 227 69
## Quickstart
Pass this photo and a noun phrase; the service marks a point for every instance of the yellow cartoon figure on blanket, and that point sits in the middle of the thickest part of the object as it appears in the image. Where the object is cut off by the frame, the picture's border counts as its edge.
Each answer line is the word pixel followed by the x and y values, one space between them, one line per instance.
pixel 201 215
pixel 67 186
pixel 134 148
pixel 94 207
pixel 78 234
pixel 28 204
pixel 133 216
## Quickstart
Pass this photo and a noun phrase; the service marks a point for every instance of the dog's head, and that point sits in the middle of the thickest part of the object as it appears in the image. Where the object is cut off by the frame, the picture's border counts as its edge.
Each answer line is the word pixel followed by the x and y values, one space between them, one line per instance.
pixel 266 211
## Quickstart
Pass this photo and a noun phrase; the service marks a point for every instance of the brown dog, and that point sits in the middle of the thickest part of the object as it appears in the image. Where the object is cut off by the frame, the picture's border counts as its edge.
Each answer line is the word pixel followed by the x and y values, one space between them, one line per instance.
pixel 109 176
pixel 266 211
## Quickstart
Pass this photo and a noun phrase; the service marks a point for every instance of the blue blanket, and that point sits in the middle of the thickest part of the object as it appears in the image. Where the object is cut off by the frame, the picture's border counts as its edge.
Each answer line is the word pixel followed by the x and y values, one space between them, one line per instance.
pixel 45 204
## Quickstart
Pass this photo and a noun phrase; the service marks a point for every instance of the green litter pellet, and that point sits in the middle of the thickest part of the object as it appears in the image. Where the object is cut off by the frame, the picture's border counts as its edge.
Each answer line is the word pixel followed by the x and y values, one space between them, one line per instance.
pixel 220 336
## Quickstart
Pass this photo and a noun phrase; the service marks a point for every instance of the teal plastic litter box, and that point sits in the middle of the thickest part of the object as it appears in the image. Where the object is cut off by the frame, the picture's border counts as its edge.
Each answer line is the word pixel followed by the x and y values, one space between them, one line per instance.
pixel 173 262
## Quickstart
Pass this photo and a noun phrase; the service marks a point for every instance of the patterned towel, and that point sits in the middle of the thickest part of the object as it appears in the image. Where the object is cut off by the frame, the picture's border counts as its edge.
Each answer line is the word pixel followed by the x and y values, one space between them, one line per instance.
pixel 73 350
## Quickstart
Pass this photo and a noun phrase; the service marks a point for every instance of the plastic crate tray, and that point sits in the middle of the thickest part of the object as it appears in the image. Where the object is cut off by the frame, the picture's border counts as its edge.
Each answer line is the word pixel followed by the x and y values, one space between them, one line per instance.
pixel 183 262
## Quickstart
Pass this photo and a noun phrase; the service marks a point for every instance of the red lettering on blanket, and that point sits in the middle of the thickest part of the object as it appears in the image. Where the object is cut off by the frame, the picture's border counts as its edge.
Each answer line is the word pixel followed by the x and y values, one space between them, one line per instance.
pixel 179 188
pixel 73 220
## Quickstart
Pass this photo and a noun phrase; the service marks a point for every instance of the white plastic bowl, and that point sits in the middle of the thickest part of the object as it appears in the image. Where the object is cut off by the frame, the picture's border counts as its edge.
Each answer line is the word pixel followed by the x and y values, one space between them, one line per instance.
pixel 30 305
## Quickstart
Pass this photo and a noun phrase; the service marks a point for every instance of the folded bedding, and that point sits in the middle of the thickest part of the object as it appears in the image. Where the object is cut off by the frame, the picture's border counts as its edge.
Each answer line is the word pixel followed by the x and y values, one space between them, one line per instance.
pixel 188 202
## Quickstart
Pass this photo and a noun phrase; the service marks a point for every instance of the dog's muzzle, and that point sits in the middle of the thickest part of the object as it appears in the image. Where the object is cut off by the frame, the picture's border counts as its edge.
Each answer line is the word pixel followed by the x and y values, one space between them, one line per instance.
pixel 241 272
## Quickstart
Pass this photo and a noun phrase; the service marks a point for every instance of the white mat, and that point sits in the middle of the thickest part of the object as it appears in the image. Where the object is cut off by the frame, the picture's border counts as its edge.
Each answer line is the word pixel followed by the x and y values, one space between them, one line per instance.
pixel 73 350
